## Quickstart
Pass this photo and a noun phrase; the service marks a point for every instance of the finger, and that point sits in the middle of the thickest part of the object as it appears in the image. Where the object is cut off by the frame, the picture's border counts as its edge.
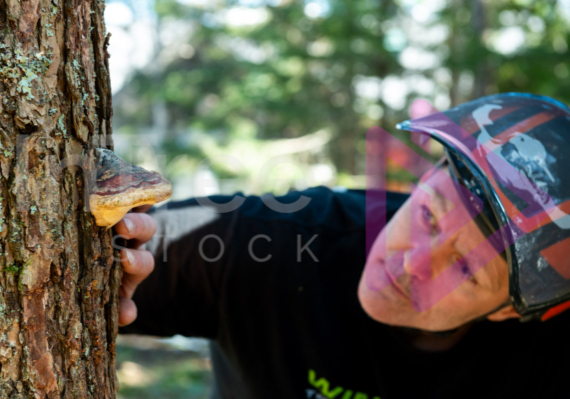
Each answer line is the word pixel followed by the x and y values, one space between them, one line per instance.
pixel 139 227
pixel 137 265
pixel 127 311
pixel 421 108
pixel 142 208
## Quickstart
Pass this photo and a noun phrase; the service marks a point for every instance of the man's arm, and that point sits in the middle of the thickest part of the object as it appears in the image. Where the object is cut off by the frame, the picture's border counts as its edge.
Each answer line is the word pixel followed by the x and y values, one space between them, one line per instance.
pixel 207 260
pixel 180 294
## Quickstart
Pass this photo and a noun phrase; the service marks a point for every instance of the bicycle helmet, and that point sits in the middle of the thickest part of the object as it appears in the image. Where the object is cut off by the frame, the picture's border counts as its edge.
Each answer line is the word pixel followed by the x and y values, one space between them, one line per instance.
pixel 512 152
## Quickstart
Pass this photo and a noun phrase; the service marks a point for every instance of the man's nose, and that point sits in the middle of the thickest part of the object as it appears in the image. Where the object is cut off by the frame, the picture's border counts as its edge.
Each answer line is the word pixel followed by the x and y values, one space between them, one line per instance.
pixel 417 262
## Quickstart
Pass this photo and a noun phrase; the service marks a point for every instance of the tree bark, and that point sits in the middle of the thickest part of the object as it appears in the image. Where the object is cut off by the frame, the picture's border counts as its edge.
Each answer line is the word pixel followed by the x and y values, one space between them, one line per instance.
pixel 58 277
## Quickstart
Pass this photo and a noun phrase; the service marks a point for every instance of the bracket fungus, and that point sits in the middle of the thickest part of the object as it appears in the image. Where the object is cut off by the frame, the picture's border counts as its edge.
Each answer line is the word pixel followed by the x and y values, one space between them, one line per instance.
pixel 120 186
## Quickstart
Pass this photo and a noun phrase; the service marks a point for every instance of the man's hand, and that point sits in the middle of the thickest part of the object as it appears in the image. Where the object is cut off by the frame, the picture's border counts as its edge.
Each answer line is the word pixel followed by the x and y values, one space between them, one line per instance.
pixel 137 263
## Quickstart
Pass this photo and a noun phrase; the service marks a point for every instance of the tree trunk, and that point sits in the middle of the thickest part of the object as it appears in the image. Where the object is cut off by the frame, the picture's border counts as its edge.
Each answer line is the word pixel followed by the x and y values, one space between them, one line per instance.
pixel 58 278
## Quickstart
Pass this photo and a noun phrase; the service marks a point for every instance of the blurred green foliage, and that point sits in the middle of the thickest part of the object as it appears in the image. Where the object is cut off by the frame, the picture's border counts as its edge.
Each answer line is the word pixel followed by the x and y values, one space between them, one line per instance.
pixel 259 70
pixel 161 373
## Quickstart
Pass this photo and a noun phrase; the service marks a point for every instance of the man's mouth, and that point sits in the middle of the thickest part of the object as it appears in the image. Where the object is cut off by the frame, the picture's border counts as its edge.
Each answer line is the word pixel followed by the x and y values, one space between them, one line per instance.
pixel 395 266
pixel 396 285
pixel 379 278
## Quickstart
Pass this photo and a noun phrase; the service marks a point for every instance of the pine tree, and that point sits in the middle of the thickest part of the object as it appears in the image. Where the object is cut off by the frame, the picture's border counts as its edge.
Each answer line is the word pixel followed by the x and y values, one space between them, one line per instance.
pixel 58 277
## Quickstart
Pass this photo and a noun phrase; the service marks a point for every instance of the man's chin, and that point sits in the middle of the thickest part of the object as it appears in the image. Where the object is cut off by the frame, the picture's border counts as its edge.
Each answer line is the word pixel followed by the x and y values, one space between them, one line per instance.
pixel 382 308
pixel 386 308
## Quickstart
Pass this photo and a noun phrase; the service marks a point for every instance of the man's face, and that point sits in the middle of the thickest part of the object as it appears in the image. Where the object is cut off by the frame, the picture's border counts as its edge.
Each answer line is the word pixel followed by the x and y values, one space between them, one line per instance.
pixel 421 271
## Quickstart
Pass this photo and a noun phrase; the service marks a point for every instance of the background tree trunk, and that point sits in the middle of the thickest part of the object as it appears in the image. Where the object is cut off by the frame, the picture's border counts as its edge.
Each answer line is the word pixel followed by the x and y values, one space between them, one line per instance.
pixel 58 278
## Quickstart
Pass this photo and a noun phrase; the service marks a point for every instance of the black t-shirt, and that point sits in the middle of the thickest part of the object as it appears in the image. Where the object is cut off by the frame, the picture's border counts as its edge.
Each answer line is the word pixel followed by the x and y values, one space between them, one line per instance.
pixel 291 326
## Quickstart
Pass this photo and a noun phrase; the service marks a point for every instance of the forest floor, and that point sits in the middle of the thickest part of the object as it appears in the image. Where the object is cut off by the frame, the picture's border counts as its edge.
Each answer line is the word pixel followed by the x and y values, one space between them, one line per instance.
pixel 149 368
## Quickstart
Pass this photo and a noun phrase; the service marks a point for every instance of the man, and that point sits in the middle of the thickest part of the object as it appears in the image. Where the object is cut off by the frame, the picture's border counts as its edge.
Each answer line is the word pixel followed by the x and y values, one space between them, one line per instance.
pixel 295 308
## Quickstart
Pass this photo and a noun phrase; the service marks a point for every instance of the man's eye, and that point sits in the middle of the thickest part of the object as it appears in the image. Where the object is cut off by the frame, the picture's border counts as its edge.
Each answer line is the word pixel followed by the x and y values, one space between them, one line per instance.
pixel 428 217
pixel 464 267
pixel 465 270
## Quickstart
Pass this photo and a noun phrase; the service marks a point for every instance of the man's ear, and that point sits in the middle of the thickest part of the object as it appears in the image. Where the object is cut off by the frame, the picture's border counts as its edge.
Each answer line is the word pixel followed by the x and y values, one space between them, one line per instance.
pixel 507 312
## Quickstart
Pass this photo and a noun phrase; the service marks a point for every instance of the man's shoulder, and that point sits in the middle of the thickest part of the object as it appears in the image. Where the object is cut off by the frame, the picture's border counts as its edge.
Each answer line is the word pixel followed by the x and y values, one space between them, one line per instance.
pixel 337 208
pixel 318 206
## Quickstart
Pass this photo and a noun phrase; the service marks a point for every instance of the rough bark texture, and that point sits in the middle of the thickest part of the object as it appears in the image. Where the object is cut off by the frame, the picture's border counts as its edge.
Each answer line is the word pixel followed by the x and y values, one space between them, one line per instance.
pixel 58 278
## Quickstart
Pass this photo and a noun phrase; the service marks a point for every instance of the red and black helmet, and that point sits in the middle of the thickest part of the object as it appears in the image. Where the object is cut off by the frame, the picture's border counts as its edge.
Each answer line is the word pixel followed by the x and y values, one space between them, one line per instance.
pixel 512 151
